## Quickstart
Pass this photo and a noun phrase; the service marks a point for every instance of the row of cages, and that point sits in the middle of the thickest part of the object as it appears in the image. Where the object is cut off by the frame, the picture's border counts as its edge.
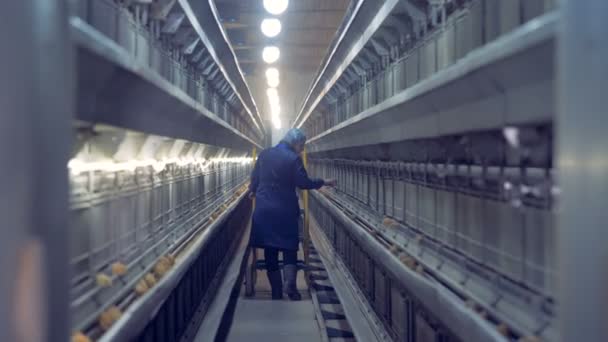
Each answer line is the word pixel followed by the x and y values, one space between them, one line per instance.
pixel 123 222
pixel 499 217
pixel 404 317
pixel 195 291
pixel 476 23
pixel 143 39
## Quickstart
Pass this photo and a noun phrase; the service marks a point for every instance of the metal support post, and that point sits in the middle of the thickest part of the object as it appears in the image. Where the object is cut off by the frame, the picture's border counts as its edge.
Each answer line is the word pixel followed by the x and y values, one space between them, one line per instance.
pixel 581 126
pixel 36 99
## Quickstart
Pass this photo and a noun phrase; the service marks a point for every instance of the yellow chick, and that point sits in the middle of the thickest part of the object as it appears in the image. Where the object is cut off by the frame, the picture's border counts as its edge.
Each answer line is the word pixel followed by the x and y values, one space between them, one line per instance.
pixel 80 337
pixel 150 280
pixel 165 260
pixel 141 288
pixel 389 222
pixel 161 268
pixel 103 280
pixel 108 317
pixel 171 259
pixel 119 269
pixel 105 320
pixel 115 312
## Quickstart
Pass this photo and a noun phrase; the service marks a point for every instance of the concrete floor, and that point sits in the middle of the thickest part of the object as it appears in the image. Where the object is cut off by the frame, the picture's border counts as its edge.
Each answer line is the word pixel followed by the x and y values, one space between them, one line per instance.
pixel 261 319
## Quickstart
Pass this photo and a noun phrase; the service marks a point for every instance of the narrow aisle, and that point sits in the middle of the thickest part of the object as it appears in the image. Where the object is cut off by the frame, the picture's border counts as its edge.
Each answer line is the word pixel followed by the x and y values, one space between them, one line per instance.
pixel 259 318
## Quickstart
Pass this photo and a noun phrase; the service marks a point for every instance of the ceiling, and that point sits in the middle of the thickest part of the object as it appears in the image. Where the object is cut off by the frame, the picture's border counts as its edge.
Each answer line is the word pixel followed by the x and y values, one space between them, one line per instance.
pixel 308 28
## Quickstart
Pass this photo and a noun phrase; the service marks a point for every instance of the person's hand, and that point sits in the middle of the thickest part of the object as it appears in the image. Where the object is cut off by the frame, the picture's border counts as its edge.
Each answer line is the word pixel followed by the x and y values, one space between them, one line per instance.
pixel 330 182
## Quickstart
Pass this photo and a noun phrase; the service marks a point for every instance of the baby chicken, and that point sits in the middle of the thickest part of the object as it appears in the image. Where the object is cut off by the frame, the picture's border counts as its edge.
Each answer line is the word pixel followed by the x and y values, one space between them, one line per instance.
pixel 108 317
pixel 119 269
pixel 150 280
pixel 80 337
pixel 171 259
pixel 389 222
pixel 141 287
pixel 161 267
pixel 103 280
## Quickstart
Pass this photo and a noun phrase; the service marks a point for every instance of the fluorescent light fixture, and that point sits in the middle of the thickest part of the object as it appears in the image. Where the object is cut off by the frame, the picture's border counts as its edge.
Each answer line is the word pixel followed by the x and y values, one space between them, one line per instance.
pixel 271 27
pixel 271 54
pixel 276 7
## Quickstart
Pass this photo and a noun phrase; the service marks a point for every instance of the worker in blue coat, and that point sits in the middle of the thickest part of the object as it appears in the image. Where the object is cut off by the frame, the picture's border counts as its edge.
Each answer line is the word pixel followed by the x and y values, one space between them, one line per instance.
pixel 276 175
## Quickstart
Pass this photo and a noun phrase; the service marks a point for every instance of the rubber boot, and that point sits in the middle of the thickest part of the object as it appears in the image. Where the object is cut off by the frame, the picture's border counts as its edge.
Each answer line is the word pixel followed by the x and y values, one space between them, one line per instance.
pixel 291 288
pixel 276 284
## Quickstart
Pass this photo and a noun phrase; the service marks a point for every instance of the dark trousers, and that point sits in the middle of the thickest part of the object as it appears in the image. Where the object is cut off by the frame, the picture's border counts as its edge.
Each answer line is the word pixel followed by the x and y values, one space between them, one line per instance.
pixel 271 256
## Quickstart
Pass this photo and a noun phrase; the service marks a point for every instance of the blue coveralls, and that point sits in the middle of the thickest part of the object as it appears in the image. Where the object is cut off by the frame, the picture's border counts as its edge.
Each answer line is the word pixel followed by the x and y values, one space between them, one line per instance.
pixel 275 177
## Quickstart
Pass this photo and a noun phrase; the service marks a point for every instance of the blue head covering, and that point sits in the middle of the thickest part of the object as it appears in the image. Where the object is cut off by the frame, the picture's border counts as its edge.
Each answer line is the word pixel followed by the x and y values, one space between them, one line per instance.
pixel 294 137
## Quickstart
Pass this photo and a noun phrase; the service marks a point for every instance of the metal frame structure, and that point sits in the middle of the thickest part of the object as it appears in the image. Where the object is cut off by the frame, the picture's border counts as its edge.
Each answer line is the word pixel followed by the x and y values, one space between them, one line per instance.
pixel 437 117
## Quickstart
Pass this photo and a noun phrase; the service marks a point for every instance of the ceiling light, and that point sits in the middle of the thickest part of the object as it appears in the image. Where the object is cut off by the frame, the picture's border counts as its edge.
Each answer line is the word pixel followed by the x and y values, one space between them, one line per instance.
pixel 273 82
pixel 272 77
pixel 277 123
pixel 272 93
pixel 273 100
pixel 271 27
pixel 271 54
pixel 276 7
pixel 273 96
pixel 272 73
pixel 275 110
